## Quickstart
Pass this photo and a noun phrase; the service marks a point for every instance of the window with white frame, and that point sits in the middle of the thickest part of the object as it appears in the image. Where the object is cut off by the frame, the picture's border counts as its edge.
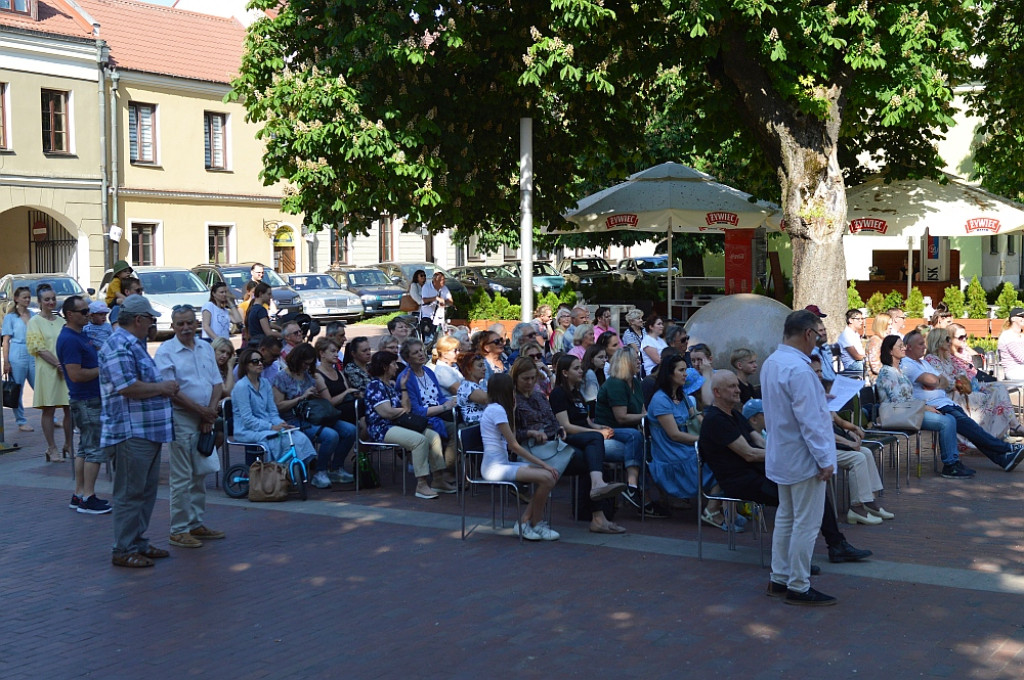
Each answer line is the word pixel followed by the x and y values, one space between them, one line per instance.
pixel 55 122
pixel 215 140
pixel 4 134
pixel 219 236
pixel 143 243
pixel 16 6
pixel 339 247
pixel 142 132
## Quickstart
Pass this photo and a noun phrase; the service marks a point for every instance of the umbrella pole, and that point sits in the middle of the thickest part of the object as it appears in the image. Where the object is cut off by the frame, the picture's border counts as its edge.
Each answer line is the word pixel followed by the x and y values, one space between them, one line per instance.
pixel 671 265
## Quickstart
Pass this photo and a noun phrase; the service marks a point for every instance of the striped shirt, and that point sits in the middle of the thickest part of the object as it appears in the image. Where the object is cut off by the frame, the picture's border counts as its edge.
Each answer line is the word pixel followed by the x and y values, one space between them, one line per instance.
pixel 123 362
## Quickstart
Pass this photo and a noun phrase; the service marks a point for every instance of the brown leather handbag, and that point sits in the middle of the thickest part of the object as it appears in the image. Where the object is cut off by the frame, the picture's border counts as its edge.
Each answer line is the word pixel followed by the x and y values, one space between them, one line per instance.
pixel 268 482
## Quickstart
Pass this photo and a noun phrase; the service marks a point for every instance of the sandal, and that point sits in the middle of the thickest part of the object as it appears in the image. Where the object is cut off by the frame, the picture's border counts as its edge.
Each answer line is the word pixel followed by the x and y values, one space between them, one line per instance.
pixel 131 560
pixel 1016 431
pixel 154 553
pixel 709 518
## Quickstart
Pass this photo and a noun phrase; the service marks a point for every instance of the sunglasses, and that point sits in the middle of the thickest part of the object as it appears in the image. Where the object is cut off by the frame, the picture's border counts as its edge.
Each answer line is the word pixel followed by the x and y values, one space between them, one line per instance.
pixel 961 337
pixel 256 361
pixel 499 341
pixel 178 308
pixel 533 356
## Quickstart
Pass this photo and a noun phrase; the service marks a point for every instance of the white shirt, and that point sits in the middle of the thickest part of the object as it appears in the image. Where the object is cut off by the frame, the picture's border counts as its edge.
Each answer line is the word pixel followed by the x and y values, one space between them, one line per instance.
pixel 800 439
pixel 194 369
pixel 913 370
pixel 220 321
pixel 495 446
pixel 849 338
pixel 434 311
pixel 650 341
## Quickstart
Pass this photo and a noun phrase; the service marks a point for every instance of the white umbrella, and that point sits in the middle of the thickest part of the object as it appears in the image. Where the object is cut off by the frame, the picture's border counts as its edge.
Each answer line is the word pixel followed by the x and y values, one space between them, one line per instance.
pixel 670 197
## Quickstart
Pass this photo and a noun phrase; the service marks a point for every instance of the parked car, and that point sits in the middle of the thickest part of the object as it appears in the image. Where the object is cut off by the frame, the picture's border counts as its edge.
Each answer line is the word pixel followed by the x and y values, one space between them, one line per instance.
pixel 584 270
pixel 401 274
pixel 653 267
pixel 286 298
pixel 493 278
pixel 323 298
pixel 544 276
pixel 166 287
pixel 63 285
pixel 375 289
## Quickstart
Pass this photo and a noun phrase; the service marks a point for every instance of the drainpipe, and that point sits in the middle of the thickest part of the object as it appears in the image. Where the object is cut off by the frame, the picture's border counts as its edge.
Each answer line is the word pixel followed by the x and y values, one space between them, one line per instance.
pixel 102 60
pixel 115 150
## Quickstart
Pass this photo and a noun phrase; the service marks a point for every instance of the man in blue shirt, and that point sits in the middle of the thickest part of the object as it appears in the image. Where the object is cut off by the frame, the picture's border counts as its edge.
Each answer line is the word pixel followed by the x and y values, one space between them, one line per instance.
pixel 80 362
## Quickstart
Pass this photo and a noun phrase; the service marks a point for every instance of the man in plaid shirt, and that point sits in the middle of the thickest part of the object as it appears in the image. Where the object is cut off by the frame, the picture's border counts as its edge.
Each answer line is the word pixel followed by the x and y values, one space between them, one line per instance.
pixel 136 421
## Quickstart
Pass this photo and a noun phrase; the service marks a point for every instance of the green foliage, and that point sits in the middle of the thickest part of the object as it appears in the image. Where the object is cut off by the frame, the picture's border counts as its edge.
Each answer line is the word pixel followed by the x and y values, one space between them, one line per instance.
pixel 853 299
pixel 914 305
pixel 552 299
pixel 983 344
pixel 381 320
pixel 954 299
pixel 876 304
pixel 608 290
pixel 1006 301
pixel 977 305
pixel 894 299
pixel 483 307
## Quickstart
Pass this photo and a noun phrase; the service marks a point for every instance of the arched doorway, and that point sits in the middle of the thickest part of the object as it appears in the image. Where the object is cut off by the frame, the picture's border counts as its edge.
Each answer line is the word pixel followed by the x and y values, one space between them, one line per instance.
pixel 34 241
pixel 284 250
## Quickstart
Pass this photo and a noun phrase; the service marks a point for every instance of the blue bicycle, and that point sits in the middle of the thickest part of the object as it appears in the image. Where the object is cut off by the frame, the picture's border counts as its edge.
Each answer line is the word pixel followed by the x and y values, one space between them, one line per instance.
pixel 236 479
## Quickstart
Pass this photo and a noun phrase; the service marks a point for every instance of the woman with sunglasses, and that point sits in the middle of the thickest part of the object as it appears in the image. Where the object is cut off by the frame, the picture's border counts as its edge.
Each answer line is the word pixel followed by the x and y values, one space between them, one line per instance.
pixel 491 348
pixel 988 403
pixel 19 365
pixel 532 351
pixel 256 418
pixel 472 394
pixel 50 391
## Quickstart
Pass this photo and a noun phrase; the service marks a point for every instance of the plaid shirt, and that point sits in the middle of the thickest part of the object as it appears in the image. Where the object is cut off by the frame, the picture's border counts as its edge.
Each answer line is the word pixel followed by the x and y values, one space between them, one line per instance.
pixel 123 362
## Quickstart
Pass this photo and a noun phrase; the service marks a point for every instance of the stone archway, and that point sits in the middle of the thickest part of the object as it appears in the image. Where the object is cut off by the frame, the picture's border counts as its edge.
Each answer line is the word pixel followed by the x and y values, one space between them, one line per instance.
pixel 37 240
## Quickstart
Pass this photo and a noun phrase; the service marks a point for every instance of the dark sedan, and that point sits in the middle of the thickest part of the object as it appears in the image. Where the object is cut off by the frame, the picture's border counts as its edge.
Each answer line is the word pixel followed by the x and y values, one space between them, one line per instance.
pixel 494 278
pixel 375 289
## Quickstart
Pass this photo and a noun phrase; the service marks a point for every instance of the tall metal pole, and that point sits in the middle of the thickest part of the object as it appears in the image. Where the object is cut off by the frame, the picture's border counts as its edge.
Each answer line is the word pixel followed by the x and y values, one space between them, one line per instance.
pixel 526 214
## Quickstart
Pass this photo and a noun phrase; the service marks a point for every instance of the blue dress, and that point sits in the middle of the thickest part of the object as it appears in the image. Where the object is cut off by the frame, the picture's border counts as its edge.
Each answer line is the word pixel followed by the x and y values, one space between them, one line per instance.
pixel 673 464
pixel 255 413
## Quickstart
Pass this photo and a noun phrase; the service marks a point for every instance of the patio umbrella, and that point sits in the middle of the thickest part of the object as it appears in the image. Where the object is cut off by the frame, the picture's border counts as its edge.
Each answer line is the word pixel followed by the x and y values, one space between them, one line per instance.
pixel 668 198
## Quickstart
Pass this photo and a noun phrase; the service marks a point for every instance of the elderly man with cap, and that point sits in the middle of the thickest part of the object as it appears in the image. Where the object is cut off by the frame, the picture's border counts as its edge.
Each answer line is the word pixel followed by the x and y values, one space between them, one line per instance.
pixel 1011 345
pixel 822 349
pixel 98 329
pixel 136 421
pixel 193 366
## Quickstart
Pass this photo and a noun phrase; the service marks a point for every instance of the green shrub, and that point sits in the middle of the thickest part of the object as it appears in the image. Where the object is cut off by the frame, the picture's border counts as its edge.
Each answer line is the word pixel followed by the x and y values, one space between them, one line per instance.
pixel 483 307
pixel 853 300
pixel 977 305
pixel 893 300
pixel 876 304
pixel 983 344
pixel 1006 300
pixel 914 306
pixel 954 299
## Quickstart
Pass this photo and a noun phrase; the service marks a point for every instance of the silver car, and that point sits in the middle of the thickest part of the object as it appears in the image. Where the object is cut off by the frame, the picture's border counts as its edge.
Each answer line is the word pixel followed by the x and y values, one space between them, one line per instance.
pixel 324 298
pixel 168 287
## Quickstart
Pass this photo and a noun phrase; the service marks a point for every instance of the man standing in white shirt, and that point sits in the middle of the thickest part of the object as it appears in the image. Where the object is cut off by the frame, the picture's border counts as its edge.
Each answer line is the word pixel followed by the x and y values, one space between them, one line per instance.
pixel 851 345
pixel 800 455
pixel 436 297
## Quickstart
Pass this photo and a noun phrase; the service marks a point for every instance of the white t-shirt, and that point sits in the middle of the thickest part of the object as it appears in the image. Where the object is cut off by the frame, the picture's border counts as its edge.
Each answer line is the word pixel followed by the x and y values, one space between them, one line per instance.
pixel 495 446
pixel 913 370
pixel 220 321
pixel 651 341
pixel 446 375
pixel 849 338
pixel 434 311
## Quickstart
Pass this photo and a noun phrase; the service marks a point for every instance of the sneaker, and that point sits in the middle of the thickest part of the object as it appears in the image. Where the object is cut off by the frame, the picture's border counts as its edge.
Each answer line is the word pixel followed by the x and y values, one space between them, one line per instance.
pixel 94 506
pixel 74 502
pixel 956 471
pixel 340 476
pixel 812 598
pixel 655 511
pixel 965 468
pixel 203 532
pixel 1014 457
pixel 776 589
pixel 321 480
pixel 844 552
pixel 426 493
pixel 185 541
pixel 526 531
pixel 632 496
pixel 544 530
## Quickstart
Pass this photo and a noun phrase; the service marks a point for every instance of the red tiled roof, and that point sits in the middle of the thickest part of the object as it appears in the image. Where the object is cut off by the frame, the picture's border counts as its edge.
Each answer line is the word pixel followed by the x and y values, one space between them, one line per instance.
pixel 169 41
pixel 55 17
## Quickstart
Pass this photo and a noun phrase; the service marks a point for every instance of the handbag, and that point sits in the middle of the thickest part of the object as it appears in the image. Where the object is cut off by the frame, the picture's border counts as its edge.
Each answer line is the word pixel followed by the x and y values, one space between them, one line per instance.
pixel 205 443
pixel 407 304
pixel 555 453
pixel 268 482
pixel 411 421
pixel 203 464
pixel 904 415
pixel 12 393
pixel 317 411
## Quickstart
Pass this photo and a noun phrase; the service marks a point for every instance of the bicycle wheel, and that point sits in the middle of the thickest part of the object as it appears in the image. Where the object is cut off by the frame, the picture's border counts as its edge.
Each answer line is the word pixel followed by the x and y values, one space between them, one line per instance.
pixel 298 478
pixel 236 481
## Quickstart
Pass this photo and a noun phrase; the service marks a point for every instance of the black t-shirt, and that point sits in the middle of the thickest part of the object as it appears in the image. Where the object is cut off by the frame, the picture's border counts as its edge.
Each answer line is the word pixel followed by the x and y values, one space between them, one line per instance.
pixel 571 403
pixel 252 321
pixel 718 430
pixel 748 392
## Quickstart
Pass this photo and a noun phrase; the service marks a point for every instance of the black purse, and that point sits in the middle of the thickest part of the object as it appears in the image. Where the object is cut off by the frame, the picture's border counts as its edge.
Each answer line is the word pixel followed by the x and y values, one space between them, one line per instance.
pixel 12 393
pixel 317 411
pixel 411 421
pixel 205 443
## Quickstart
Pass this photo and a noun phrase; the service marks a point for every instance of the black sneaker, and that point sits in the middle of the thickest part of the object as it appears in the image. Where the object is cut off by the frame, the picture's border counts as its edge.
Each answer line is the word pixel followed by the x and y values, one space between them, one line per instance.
pixel 94 506
pixel 844 552
pixel 956 471
pixel 966 469
pixel 812 598
pixel 632 496
pixel 776 589
pixel 656 511
pixel 74 502
pixel 1014 457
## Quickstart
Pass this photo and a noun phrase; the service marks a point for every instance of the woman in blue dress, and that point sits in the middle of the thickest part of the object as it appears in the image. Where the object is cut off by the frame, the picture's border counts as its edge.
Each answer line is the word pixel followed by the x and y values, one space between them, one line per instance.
pixel 673 455
pixel 19 366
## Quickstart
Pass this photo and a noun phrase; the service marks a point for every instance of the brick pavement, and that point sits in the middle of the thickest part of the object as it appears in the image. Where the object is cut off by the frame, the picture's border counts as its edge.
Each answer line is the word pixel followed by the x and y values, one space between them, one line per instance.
pixel 377 585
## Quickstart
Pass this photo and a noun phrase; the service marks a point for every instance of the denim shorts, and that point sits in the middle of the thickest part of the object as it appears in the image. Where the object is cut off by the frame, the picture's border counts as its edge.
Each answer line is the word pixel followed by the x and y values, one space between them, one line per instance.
pixel 86 416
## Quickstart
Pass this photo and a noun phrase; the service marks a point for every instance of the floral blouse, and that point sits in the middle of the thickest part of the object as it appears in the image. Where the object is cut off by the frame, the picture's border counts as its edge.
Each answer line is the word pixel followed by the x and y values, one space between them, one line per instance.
pixel 893 386
pixel 356 377
pixel 471 411
pixel 378 392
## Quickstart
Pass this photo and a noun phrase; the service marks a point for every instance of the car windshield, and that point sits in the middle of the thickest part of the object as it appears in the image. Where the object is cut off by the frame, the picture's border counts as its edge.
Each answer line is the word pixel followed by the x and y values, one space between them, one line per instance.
pixel 497 273
pixel 368 277
pixel 590 265
pixel 543 269
pixel 312 282
pixel 62 286
pixel 409 269
pixel 176 281
pixel 237 278
pixel 652 263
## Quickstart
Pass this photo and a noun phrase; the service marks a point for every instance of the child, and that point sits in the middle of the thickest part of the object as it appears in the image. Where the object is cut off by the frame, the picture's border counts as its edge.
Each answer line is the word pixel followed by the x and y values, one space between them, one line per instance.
pixel 98 329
